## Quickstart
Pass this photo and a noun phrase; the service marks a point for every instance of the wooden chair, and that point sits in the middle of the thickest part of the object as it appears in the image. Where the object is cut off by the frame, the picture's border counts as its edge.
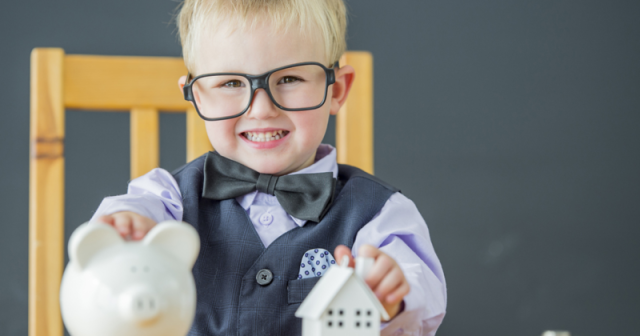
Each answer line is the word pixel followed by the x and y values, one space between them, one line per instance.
pixel 143 86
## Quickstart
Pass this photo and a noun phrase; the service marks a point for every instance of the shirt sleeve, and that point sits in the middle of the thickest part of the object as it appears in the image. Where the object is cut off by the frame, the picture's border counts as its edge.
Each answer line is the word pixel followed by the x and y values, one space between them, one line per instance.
pixel 400 231
pixel 155 195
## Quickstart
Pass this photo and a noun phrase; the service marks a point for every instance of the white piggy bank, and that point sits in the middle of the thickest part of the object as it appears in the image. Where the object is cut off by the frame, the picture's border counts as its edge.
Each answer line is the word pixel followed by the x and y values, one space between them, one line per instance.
pixel 115 287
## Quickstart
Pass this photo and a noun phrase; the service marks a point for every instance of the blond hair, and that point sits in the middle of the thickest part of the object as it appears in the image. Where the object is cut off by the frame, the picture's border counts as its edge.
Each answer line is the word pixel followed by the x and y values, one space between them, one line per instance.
pixel 326 17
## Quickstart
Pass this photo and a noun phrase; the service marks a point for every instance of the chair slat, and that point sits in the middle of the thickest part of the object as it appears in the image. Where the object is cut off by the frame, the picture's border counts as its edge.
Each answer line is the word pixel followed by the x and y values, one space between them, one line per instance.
pixel 122 83
pixel 197 140
pixel 46 192
pixel 355 146
pixel 145 141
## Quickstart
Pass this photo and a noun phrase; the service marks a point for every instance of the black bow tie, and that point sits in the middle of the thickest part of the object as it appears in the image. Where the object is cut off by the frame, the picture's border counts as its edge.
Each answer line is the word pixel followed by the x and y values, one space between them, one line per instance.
pixel 303 196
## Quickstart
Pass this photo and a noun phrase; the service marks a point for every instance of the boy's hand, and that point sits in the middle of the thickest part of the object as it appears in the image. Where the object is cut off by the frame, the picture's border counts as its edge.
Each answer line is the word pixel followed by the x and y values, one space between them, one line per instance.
pixel 129 224
pixel 385 279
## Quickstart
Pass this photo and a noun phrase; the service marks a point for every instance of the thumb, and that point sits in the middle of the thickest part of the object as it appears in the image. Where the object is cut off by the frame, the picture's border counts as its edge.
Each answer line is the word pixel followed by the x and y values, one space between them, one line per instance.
pixel 342 251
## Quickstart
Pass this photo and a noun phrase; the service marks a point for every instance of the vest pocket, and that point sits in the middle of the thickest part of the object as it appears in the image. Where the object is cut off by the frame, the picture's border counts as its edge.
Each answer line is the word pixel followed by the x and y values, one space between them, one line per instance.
pixel 298 289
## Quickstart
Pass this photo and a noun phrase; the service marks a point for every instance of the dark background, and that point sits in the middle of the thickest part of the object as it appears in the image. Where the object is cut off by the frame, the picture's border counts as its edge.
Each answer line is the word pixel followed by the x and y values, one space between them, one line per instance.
pixel 513 125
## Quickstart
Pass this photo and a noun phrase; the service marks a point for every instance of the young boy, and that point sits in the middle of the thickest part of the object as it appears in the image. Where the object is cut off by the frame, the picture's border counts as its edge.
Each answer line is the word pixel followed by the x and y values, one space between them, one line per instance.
pixel 264 75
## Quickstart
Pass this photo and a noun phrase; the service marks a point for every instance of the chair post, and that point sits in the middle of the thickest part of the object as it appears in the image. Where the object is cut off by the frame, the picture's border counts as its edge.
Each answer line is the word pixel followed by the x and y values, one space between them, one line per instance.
pixel 354 122
pixel 197 140
pixel 145 140
pixel 46 192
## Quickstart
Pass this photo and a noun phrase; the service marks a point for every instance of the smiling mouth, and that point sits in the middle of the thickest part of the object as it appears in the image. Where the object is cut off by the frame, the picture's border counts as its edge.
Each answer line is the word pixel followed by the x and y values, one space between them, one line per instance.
pixel 265 136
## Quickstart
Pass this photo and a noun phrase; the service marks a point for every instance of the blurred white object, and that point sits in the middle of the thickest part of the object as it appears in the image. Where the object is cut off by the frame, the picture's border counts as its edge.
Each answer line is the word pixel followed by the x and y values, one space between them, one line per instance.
pixel 115 287
pixel 341 303
pixel 556 333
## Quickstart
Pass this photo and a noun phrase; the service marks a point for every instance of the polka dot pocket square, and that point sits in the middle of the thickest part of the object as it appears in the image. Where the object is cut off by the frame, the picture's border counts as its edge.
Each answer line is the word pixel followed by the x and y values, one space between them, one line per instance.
pixel 314 263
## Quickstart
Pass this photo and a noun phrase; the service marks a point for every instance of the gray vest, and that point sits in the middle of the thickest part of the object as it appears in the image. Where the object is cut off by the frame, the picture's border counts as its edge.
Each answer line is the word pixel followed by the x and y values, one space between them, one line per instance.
pixel 236 294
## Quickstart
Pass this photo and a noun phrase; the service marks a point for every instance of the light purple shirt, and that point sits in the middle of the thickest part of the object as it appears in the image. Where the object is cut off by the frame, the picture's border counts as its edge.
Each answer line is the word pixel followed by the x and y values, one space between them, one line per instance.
pixel 398 230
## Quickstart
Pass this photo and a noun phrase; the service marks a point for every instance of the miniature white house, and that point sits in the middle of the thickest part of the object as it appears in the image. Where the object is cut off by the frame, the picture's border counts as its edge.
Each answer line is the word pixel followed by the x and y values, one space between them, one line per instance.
pixel 341 303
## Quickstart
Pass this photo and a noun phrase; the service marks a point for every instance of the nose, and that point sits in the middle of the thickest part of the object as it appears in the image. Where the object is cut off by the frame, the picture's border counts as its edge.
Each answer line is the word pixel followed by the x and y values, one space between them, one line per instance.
pixel 139 304
pixel 262 107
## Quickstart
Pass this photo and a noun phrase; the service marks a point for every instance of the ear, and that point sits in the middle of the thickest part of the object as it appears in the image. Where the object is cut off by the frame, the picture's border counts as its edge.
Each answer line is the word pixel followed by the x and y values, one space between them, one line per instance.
pixel 176 238
pixel 344 79
pixel 89 239
pixel 181 82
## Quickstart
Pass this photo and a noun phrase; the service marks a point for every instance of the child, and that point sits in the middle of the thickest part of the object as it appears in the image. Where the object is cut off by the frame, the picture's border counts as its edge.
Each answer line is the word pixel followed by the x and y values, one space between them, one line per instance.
pixel 264 75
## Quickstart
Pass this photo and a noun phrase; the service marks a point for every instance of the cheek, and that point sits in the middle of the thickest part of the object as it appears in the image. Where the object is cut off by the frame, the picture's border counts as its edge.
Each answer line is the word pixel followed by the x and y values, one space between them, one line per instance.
pixel 311 126
pixel 221 133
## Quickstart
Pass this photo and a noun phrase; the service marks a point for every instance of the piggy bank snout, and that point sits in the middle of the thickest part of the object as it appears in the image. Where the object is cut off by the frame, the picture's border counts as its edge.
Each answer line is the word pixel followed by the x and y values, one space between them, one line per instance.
pixel 140 304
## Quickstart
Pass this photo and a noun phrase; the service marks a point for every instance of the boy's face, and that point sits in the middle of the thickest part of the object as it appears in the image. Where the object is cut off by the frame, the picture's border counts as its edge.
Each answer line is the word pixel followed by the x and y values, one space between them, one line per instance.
pixel 256 51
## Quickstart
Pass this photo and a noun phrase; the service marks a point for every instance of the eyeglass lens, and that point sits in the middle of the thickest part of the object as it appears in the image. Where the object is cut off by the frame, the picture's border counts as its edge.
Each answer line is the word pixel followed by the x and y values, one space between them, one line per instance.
pixel 299 87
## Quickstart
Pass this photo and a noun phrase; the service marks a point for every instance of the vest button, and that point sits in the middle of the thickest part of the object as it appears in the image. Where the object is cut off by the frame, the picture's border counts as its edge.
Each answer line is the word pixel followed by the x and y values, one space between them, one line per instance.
pixel 264 277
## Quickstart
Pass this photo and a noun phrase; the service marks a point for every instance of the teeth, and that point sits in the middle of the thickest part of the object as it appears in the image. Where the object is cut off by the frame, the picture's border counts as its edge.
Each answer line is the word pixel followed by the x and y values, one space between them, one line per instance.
pixel 264 137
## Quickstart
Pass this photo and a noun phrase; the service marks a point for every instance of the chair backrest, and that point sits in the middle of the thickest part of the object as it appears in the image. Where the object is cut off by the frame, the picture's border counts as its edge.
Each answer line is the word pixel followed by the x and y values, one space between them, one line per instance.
pixel 142 86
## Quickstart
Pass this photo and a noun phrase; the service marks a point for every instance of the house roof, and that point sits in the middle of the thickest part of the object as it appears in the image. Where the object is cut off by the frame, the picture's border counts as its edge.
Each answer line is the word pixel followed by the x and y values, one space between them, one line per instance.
pixel 328 287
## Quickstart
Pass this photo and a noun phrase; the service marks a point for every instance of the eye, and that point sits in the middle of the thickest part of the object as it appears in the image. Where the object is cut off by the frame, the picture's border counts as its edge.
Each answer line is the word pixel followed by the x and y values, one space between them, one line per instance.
pixel 289 80
pixel 233 84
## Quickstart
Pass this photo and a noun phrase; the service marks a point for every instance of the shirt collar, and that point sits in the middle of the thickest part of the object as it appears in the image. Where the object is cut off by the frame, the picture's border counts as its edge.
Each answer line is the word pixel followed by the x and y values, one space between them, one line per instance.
pixel 325 161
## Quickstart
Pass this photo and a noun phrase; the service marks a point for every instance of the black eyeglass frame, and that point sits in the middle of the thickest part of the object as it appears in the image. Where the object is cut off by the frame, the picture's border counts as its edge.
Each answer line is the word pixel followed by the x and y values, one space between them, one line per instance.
pixel 261 82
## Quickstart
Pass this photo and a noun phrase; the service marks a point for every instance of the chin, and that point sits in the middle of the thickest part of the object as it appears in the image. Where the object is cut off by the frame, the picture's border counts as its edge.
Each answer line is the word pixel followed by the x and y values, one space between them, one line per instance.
pixel 272 170
pixel 265 167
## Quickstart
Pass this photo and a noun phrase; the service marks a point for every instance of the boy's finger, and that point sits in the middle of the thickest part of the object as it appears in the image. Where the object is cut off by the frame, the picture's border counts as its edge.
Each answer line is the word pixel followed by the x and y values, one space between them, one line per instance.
pixel 341 251
pixel 122 224
pixel 107 219
pixel 380 269
pixel 141 225
pixel 399 293
pixel 369 251
pixel 389 283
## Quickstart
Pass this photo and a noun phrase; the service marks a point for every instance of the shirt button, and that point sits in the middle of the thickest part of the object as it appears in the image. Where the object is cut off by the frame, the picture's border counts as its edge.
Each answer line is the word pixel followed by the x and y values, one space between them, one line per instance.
pixel 264 277
pixel 266 218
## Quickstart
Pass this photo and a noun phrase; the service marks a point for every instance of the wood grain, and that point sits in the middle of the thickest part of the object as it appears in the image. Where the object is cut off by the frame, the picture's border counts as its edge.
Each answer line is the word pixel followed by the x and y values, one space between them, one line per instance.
pixel 354 122
pixel 46 192
pixel 145 140
pixel 197 140
pixel 122 83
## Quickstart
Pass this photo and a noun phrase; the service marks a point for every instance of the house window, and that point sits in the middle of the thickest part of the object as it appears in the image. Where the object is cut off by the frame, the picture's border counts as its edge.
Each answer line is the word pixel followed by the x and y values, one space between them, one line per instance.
pixel 368 312
pixel 341 312
pixel 330 312
pixel 358 312
pixel 368 324
pixel 340 324
pixel 330 323
pixel 358 324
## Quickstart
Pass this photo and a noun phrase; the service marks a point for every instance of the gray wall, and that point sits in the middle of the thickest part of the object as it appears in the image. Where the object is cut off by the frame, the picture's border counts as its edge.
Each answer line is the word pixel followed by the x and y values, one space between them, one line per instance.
pixel 513 125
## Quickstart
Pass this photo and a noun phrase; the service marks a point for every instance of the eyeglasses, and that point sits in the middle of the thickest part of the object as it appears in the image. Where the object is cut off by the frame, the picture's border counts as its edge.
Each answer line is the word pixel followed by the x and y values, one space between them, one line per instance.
pixel 295 87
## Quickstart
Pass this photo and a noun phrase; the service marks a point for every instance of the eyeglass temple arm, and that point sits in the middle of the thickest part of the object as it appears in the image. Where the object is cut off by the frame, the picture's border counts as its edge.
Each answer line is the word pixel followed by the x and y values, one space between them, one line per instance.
pixel 331 76
pixel 186 89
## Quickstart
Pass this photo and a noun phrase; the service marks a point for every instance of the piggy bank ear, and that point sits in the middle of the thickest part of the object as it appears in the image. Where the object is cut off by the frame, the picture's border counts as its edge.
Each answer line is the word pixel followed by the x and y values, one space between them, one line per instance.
pixel 89 239
pixel 177 238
